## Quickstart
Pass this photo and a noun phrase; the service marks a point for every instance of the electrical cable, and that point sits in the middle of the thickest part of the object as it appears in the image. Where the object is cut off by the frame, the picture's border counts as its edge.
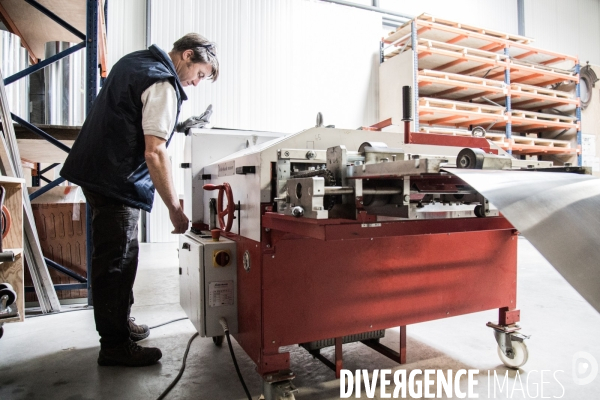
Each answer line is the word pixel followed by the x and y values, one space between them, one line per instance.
pixel 223 323
pixel 172 385
pixel 237 368
pixel 225 327
pixel 87 308
pixel 185 355
pixel 169 322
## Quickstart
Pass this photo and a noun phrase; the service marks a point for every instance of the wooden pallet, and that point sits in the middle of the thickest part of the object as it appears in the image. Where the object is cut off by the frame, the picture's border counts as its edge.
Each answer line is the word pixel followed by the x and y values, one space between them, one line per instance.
pixel 456 113
pixel 458 87
pixel 452 58
pixel 525 145
pixel 447 31
pixel 526 97
pixel 523 121
pixel 492 136
pixel 436 84
pixel 519 145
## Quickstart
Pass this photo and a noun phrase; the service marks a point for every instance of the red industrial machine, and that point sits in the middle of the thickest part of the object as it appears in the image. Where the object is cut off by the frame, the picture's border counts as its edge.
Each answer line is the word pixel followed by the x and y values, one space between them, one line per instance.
pixel 336 246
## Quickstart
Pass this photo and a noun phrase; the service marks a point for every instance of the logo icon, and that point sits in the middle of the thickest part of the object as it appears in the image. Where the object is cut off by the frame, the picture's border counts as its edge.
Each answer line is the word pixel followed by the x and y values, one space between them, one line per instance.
pixel 585 368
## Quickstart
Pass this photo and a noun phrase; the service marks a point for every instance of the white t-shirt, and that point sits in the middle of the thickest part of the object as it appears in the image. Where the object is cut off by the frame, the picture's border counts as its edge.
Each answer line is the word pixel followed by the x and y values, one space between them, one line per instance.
pixel 159 109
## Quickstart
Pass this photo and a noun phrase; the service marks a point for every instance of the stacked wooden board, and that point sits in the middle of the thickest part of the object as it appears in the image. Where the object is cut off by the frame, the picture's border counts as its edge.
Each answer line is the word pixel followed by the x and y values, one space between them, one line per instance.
pixel 464 76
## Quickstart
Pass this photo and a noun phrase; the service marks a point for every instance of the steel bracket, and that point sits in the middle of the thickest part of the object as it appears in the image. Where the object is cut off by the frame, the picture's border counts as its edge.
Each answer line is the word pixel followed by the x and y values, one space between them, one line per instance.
pixel 279 386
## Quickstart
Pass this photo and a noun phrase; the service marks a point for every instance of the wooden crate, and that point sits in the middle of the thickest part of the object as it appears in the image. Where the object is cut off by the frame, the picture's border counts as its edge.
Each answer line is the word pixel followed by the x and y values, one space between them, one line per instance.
pixel 12 271
pixel 62 232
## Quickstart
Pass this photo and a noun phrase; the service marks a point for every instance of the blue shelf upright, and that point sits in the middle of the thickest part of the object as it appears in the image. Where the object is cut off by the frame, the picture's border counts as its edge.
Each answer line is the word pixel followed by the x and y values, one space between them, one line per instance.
pixel 90 43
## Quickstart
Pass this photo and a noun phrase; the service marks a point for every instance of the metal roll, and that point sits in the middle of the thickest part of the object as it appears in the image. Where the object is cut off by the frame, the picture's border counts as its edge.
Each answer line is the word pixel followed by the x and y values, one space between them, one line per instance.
pixel 13 59
pixel 64 83
pixel 22 109
pixel 470 158
pixel 557 212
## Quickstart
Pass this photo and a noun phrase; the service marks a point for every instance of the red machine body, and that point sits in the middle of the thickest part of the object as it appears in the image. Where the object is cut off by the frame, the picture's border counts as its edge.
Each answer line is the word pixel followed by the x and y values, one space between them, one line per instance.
pixel 307 272
pixel 388 275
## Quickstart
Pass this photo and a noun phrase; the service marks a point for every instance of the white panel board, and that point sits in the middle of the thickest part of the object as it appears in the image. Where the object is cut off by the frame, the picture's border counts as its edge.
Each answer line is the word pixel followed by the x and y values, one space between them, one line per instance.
pixel 393 74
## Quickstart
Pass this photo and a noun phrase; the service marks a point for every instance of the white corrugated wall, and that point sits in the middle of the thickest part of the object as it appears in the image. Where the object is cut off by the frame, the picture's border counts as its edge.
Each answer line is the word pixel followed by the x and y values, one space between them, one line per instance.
pixel 498 15
pixel 281 63
pixel 126 22
pixel 285 60
pixel 570 27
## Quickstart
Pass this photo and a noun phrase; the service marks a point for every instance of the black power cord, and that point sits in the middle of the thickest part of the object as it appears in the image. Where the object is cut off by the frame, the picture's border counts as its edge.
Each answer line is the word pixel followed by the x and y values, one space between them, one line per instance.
pixel 172 385
pixel 169 322
pixel 237 368
pixel 223 323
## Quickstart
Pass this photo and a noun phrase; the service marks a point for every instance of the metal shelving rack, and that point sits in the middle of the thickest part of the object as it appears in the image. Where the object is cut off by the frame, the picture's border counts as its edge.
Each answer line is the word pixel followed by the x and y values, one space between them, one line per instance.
pixel 90 43
pixel 466 76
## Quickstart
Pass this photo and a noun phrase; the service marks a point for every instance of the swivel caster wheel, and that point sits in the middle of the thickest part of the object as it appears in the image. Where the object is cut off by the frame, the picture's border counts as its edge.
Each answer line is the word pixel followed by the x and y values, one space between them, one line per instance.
pixel 218 340
pixel 520 355
pixel 512 349
pixel 11 296
pixel 1 331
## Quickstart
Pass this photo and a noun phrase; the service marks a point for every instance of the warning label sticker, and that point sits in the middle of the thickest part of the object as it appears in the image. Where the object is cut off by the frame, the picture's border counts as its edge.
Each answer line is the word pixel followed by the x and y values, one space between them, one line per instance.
pixel 220 294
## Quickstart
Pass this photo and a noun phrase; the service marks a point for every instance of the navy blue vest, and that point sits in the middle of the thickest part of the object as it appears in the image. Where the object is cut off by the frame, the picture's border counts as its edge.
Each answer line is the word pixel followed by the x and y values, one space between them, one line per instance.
pixel 108 155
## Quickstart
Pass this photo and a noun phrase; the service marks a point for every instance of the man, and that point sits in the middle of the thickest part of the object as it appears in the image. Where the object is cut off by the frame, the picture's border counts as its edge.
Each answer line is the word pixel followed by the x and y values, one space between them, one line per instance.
pixel 118 159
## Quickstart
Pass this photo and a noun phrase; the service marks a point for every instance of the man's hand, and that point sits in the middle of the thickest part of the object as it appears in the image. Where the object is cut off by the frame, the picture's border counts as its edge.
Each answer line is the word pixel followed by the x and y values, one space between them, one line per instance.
pixel 195 122
pixel 179 220
pixel 159 166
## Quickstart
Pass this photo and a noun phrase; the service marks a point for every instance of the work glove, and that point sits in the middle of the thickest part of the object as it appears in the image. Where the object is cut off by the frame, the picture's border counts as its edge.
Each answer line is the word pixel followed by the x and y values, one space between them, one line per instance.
pixel 195 122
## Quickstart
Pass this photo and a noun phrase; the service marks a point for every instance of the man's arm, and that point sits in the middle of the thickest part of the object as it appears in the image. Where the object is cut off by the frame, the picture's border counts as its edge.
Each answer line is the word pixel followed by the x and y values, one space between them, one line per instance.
pixel 159 166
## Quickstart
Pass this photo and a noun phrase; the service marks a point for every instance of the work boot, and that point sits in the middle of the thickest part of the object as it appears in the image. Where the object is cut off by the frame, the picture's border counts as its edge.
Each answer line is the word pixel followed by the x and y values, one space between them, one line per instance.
pixel 129 354
pixel 137 332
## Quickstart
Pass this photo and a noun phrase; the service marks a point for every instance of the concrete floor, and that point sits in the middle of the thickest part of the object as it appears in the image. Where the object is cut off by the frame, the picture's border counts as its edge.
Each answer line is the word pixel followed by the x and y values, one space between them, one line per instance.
pixel 54 357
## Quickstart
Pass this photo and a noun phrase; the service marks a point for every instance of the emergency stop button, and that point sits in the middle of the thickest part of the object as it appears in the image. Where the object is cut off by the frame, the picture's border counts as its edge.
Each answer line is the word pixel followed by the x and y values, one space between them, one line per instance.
pixel 221 258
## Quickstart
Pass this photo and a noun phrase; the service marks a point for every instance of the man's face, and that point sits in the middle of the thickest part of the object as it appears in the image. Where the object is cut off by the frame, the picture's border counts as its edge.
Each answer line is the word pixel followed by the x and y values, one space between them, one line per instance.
pixel 190 73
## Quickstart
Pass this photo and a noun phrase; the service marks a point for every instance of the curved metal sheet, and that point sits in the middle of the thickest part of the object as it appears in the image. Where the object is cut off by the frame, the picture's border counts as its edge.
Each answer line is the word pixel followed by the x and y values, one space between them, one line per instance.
pixel 559 213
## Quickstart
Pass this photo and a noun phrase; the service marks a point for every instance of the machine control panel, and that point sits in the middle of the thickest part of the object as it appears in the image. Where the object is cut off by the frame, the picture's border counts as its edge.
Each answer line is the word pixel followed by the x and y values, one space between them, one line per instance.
pixel 208 282
pixel 221 258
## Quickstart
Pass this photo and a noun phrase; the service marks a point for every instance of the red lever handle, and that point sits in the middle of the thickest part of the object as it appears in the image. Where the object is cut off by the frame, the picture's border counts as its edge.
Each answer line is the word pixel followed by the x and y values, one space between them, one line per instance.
pixel 222 211
pixel 210 186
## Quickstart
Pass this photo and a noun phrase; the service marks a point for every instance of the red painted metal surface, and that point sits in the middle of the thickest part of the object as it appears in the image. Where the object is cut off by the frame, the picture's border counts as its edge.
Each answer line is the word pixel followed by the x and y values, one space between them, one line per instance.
pixel 249 299
pixel 448 140
pixel 328 279
pixel 348 229
pixel 382 283
pixel 508 316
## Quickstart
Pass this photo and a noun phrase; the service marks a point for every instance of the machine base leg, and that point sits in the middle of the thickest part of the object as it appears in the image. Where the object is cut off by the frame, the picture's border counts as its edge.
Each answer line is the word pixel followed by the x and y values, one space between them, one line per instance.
pixel 399 357
pixel 338 357
pixel 403 344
